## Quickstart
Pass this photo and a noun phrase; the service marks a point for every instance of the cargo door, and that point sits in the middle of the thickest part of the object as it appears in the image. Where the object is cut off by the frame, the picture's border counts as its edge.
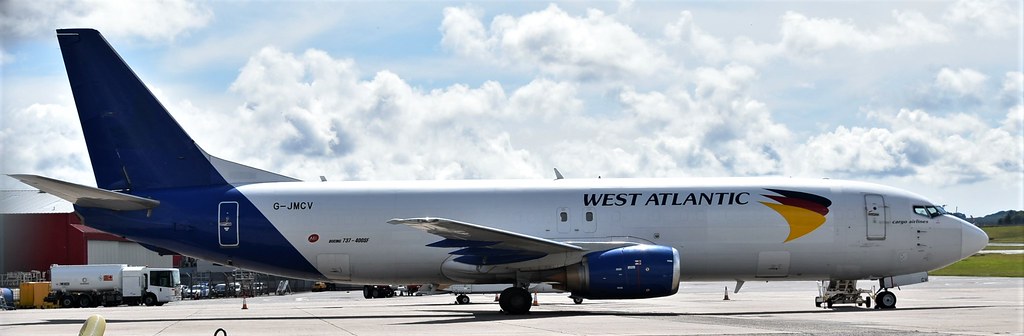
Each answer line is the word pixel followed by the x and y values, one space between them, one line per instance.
pixel 227 224
pixel 774 264
pixel 877 216
pixel 334 266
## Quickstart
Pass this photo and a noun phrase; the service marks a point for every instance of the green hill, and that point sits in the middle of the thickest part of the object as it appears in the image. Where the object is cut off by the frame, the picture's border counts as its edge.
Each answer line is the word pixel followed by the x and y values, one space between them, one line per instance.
pixel 1008 217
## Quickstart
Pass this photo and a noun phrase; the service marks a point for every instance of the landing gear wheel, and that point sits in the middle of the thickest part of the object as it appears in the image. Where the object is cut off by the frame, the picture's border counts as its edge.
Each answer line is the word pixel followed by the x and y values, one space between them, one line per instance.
pixel 462 299
pixel 828 303
pixel 885 300
pixel 366 292
pixel 577 300
pixel 867 302
pixel 515 301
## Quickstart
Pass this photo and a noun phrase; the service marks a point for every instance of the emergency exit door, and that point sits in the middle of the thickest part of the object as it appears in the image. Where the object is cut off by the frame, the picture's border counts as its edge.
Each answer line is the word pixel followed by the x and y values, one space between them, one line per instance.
pixel 227 224
pixel 874 207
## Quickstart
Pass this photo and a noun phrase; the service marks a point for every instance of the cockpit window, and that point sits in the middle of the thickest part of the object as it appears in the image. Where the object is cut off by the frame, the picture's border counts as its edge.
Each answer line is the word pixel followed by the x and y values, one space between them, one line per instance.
pixel 930 211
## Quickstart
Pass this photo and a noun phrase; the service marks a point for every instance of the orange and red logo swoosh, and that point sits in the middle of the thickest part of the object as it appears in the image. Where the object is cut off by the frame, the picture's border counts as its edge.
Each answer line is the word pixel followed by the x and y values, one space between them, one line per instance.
pixel 804 212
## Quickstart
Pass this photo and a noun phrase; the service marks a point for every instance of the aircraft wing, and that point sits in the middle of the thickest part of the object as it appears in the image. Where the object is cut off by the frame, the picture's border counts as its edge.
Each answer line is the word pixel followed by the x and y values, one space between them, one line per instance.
pixel 482 245
pixel 86 196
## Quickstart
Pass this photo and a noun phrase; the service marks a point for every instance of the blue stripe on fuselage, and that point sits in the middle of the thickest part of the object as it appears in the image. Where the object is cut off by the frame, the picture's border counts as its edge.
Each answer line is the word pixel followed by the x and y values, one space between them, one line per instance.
pixel 186 222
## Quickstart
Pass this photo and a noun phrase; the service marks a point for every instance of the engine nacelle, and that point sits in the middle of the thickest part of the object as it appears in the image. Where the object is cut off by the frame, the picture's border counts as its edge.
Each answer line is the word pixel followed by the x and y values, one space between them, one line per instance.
pixel 632 272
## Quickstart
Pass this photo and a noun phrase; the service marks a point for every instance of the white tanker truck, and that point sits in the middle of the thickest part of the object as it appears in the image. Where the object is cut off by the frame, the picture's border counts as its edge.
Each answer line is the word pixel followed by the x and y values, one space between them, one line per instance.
pixel 112 285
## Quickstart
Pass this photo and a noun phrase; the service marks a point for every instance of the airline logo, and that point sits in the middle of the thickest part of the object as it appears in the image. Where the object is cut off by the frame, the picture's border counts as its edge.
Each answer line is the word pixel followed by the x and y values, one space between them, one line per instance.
pixel 803 211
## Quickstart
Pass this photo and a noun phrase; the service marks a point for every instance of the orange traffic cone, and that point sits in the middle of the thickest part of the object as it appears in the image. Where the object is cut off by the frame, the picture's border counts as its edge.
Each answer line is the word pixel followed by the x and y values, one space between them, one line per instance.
pixel 535 303
pixel 244 306
pixel 726 294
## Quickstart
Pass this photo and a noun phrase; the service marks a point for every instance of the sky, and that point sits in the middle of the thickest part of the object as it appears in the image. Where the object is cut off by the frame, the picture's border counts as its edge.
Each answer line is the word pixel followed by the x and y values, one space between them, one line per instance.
pixel 926 96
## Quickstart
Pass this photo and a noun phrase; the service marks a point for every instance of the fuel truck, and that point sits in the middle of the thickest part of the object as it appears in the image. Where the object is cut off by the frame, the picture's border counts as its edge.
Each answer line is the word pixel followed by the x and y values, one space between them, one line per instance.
pixel 112 285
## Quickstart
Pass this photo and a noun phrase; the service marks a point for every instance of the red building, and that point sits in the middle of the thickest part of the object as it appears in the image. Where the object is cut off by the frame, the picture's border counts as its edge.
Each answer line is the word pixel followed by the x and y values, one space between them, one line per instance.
pixel 38 230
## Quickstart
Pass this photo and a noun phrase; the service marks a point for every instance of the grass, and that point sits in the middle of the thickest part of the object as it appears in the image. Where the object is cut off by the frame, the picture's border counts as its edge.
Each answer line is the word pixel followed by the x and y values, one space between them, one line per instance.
pixel 1004 247
pixel 1005 234
pixel 998 265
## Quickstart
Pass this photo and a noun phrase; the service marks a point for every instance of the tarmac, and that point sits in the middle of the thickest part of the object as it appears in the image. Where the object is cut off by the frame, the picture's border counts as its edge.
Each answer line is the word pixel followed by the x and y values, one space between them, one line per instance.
pixel 945 305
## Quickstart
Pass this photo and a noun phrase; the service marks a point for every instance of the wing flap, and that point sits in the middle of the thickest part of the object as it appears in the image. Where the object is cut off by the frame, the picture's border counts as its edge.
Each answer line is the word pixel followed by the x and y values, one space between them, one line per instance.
pixel 86 196
pixel 482 245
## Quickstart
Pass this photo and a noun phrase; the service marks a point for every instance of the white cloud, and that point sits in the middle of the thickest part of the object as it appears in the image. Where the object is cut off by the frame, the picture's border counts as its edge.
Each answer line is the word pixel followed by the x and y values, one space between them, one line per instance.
pixel 986 16
pixel 1013 88
pixel 941 150
pixel 590 48
pixel 63 154
pixel 962 82
pixel 464 33
pixel 802 35
pixel 230 48
pixel 685 31
pixel 152 20
pixel 312 114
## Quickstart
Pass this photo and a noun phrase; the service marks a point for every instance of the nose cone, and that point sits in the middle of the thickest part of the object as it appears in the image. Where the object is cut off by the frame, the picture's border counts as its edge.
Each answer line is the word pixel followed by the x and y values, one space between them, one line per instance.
pixel 974 239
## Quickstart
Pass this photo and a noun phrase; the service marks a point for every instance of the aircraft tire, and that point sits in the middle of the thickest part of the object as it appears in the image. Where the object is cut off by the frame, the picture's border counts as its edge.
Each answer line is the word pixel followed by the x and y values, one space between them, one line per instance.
pixel 867 302
pixel 885 300
pixel 515 301
pixel 577 300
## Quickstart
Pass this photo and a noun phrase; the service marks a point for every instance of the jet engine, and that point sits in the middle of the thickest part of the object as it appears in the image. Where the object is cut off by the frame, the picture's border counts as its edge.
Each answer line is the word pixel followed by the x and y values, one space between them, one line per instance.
pixel 631 272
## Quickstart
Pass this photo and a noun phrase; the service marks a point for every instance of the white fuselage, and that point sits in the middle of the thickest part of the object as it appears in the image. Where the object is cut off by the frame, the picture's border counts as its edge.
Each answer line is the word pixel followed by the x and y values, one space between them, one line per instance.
pixel 721 227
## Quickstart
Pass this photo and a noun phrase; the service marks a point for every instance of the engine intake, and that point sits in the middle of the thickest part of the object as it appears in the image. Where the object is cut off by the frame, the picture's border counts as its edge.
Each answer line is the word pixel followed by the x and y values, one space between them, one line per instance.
pixel 632 272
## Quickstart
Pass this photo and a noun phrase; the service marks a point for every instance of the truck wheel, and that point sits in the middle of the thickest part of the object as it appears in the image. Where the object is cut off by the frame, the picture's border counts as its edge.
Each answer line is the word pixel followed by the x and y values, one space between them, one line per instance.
pixel 67 302
pixel 149 300
pixel 84 301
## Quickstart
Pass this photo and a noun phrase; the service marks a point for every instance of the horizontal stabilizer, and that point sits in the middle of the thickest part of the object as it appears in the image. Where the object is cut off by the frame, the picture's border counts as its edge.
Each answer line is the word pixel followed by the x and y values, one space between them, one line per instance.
pixel 86 196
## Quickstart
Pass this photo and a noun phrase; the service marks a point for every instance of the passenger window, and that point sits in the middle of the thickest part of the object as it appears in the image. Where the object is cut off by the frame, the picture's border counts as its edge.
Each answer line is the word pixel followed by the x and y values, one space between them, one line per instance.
pixel 590 216
pixel 564 216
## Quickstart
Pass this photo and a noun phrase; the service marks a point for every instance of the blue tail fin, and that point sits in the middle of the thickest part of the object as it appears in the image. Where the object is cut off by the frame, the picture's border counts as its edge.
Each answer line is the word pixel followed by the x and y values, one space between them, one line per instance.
pixel 133 141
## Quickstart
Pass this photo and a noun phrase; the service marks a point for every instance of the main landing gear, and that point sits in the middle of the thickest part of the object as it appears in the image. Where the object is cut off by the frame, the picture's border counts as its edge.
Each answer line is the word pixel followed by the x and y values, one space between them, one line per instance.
pixel 515 301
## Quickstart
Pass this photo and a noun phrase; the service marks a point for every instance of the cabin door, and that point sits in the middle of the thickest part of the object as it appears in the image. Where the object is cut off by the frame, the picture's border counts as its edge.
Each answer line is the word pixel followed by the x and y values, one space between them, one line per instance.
pixel 227 224
pixel 875 211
